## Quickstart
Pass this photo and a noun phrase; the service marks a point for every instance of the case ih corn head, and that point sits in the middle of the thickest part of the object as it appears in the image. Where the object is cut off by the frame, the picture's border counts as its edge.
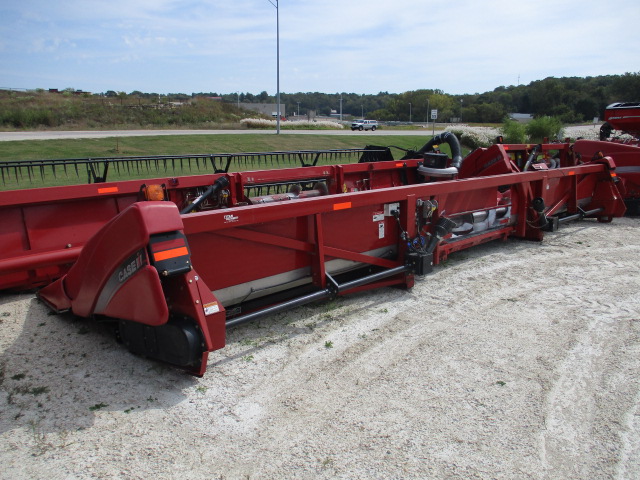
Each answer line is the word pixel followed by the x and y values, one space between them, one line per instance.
pixel 174 261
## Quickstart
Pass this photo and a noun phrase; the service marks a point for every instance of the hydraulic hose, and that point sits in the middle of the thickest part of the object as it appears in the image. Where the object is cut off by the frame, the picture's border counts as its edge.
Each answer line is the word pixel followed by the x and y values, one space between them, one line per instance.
pixel 532 157
pixel 218 185
pixel 443 227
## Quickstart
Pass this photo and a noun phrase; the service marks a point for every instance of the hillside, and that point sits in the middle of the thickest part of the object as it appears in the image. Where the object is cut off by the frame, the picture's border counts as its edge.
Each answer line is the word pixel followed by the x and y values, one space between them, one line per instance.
pixel 571 100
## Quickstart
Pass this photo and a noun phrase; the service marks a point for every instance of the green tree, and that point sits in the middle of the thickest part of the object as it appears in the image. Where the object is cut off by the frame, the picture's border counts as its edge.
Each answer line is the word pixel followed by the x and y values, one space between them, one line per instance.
pixel 544 127
pixel 627 87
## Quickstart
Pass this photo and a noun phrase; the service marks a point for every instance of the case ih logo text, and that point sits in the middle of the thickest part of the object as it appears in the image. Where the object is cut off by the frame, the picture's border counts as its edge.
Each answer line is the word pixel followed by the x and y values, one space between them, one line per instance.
pixel 131 266
pixel 230 218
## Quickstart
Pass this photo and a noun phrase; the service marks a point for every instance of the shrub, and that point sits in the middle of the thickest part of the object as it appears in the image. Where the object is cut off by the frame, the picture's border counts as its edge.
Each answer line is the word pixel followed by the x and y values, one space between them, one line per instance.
pixel 474 137
pixel 544 127
pixel 34 109
pixel 299 125
pixel 513 132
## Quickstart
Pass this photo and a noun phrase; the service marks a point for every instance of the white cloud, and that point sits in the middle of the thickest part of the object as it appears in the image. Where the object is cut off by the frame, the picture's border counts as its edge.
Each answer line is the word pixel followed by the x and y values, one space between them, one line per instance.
pixel 331 45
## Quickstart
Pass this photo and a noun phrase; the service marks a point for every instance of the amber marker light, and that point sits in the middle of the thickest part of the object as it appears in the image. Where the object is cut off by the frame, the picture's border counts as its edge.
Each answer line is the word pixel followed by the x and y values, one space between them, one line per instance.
pixel 154 193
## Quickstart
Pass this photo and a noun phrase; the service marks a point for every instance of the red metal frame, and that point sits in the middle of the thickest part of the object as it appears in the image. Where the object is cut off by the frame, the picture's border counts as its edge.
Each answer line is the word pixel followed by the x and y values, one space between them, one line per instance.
pixel 117 256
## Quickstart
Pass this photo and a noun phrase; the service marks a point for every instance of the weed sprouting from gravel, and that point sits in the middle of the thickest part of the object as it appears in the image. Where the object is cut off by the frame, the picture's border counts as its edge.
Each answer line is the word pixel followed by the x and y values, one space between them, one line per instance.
pixel 83 330
pixel 35 391
pixel 42 444
pixel 98 406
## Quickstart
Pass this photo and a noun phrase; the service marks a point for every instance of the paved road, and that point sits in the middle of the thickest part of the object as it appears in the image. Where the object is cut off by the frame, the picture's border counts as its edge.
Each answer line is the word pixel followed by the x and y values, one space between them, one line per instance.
pixel 52 135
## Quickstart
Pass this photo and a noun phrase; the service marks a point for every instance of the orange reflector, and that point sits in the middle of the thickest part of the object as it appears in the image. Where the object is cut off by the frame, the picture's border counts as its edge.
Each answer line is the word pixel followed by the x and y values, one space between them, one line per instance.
pixel 167 245
pixel 341 206
pixel 613 175
pixel 154 192
pixel 571 173
pixel 399 164
pixel 108 190
pixel 506 147
pixel 167 254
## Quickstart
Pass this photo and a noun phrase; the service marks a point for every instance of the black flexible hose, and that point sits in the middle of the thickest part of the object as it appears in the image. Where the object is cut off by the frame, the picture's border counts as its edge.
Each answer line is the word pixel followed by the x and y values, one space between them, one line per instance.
pixel 454 144
pixel 532 157
pixel 218 185
pixel 443 227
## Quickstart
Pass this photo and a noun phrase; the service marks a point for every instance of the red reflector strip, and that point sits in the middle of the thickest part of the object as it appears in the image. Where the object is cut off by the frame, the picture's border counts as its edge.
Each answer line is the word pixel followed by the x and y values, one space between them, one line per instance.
pixel 341 206
pixel 167 254
pixel 174 243
pixel 108 190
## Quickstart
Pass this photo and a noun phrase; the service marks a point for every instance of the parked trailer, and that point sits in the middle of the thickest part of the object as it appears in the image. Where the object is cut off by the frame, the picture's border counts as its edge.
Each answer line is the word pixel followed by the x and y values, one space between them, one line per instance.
pixel 620 138
pixel 175 261
pixel 622 116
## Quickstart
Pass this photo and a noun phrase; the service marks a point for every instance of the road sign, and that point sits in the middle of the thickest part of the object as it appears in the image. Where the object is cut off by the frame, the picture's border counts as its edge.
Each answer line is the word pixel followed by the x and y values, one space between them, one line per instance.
pixel 434 114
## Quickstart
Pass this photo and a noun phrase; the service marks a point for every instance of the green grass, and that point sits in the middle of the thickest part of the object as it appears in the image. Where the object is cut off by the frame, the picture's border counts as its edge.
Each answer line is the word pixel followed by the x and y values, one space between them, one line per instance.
pixel 180 145
pixel 186 144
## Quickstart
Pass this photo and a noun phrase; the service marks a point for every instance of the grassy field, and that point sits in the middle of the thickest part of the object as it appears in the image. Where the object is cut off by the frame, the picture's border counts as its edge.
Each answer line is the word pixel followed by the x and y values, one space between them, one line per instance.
pixel 176 145
pixel 189 144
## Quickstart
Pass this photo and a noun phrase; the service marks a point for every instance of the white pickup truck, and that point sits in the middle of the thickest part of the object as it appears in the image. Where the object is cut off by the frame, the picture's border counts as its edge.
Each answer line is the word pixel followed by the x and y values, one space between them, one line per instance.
pixel 364 125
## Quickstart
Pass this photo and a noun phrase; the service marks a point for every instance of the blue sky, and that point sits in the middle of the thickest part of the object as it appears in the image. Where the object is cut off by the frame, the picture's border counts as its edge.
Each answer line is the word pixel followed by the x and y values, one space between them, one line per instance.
pixel 329 46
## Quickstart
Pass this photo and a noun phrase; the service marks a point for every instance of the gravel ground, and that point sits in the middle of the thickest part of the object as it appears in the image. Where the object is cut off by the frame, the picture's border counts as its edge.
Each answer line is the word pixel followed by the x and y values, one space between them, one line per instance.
pixel 512 360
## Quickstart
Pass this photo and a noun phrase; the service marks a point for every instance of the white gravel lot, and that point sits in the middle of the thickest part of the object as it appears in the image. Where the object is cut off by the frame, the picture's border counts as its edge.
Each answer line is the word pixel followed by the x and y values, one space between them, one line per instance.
pixel 513 360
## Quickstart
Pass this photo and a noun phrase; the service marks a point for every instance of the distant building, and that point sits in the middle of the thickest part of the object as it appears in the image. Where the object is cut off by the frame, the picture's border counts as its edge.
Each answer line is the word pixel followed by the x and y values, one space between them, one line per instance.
pixel 75 92
pixel 270 109
pixel 521 117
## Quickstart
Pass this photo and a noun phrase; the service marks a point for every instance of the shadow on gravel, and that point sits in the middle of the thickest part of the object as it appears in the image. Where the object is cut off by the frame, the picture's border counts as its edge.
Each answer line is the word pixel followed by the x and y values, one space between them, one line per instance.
pixel 57 371
pixel 246 340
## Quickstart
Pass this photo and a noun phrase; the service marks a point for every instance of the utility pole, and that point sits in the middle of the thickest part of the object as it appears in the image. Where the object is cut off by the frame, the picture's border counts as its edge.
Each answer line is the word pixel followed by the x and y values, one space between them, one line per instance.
pixel 277 64
pixel 428 112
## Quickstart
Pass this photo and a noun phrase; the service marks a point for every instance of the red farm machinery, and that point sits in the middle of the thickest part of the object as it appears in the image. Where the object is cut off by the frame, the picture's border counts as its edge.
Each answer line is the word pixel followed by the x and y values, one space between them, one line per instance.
pixel 174 261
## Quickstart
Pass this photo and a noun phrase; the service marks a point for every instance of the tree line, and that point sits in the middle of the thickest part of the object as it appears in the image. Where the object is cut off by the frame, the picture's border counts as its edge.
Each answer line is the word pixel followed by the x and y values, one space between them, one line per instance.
pixel 570 99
